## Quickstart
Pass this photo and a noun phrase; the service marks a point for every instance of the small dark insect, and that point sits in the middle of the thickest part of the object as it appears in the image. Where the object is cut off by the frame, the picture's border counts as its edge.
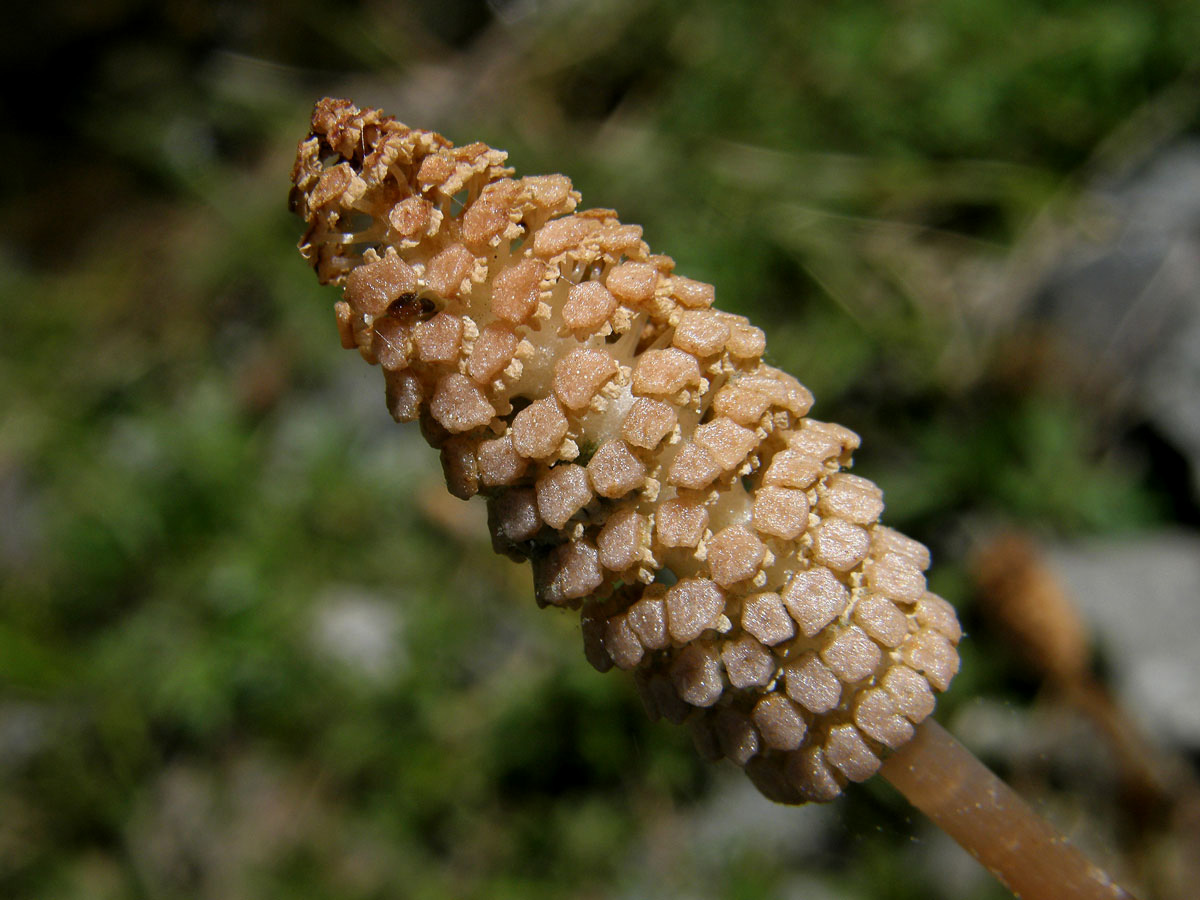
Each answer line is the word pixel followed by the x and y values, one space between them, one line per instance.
pixel 412 307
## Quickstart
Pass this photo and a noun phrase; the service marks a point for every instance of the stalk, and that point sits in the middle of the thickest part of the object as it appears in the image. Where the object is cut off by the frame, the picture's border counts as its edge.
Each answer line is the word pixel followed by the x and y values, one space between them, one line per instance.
pixel 1025 853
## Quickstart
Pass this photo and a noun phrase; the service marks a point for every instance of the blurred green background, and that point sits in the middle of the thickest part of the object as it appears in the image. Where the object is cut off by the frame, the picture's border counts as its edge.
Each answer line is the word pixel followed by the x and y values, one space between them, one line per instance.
pixel 248 646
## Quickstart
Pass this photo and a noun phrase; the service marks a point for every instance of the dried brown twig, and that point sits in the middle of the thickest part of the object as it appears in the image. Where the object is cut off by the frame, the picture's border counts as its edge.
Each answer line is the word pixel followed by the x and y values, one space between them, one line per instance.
pixel 632 445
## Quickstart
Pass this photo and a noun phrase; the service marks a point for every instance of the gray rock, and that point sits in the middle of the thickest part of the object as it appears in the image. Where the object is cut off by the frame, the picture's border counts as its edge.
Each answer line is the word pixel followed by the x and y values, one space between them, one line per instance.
pixel 1130 304
pixel 1142 597
pixel 359 632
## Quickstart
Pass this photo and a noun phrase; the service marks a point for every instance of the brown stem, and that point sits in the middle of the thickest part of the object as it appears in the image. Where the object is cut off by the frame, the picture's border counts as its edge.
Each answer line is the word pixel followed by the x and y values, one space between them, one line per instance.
pixel 1026 853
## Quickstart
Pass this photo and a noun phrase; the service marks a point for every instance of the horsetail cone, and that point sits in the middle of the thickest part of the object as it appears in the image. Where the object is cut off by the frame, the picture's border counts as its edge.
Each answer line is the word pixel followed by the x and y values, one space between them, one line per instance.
pixel 634 447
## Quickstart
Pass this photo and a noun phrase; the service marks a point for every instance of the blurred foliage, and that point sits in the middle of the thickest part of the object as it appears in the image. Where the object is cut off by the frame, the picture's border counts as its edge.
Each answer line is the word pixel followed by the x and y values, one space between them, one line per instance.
pixel 247 648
